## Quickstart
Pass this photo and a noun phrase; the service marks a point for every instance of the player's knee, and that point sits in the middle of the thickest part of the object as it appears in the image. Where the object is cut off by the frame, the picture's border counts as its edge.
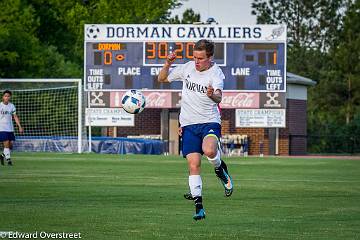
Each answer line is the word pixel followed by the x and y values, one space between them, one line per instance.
pixel 209 151
pixel 194 166
pixel 7 144
pixel 194 169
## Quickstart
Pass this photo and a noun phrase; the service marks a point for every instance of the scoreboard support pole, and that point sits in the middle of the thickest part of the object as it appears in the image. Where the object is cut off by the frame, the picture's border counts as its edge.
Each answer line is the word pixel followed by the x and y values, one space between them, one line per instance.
pixel 169 130
pixel 164 121
pixel 115 132
pixel 277 141
pixel 173 133
pixel 80 90
pixel 89 121
pixel 274 141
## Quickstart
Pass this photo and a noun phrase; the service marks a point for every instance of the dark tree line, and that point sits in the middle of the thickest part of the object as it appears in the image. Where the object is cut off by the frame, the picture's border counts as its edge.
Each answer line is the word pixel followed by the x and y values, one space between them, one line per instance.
pixel 44 38
pixel 324 45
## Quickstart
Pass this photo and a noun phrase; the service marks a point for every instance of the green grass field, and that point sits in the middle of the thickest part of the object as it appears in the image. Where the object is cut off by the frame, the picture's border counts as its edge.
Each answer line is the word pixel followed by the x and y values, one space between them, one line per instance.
pixel 141 197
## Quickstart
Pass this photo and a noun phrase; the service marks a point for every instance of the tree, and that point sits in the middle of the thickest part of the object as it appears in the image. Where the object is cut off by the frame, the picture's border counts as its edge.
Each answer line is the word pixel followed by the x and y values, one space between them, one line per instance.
pixel 313 27
pixel 21 52
pixel 346 58
pixel 188 17
pixel 324 37
pixel 338 92
pixel 62 22
pixel 44 38
pixel 311 24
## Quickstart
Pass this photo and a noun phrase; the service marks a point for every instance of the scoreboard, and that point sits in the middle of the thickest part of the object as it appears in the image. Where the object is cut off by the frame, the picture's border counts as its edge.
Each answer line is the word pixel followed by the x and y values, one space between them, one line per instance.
pixel 117 57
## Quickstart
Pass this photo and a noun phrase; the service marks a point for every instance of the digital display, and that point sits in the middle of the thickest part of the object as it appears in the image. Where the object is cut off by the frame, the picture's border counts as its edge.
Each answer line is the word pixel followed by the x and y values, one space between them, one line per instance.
pixel 159 50
pixel 256 65
pixel 156 52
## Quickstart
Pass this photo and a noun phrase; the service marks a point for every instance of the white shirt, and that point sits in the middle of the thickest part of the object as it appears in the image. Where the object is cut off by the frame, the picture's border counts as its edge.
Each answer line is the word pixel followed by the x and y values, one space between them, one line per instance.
pixel 196 106
pixel 6 113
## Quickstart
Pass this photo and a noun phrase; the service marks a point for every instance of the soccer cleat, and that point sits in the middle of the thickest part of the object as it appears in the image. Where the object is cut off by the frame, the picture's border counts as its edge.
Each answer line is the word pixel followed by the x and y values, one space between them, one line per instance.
pixel 188 196
pixel 9 162
pixel 226 180
pixel 2 157
pixel 200 214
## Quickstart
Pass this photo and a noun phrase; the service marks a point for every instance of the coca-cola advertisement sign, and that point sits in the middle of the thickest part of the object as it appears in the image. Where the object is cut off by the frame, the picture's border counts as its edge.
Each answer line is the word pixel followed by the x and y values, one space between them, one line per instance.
pixel 171 99
pixel 154 99
pixel 240 100
pixel 158 99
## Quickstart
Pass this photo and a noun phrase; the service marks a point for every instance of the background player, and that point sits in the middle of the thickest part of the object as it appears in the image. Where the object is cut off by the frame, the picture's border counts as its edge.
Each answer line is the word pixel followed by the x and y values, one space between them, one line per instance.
pixel 7 136
pixel 200 116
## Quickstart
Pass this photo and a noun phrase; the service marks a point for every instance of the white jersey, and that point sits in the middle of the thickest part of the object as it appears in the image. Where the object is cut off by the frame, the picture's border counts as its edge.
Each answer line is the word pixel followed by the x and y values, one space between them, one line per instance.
pixel 6 113
pixel 196 106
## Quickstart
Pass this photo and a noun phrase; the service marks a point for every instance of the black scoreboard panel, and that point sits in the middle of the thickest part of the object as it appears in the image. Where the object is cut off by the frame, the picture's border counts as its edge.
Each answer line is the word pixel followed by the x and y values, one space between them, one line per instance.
pixel 126 65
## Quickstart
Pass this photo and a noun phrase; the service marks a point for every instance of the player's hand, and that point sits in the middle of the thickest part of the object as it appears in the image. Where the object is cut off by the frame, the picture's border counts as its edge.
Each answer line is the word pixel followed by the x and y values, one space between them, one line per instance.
pixel 210 91
pixel 171 58
pixel 180 131
pixel 21 130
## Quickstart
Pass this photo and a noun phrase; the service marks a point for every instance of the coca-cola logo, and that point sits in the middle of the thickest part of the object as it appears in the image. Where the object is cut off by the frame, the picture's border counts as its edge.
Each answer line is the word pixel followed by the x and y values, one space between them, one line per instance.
pixel 240 100
pixel 156 99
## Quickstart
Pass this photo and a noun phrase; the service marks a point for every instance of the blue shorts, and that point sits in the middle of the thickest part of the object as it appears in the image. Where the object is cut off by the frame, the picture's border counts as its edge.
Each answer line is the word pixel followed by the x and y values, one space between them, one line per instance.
pixel 7 136
pixel 193 135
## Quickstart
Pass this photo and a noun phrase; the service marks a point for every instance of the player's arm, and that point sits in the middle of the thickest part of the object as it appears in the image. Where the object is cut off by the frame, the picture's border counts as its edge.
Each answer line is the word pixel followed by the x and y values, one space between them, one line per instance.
pixel 164 72
pixel 216 96
pixel 17 121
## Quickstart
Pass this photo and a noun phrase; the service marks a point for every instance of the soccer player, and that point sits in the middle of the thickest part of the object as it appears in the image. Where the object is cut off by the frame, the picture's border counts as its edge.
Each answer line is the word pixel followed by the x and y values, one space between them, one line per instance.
pixel 7 112
pixel 200 120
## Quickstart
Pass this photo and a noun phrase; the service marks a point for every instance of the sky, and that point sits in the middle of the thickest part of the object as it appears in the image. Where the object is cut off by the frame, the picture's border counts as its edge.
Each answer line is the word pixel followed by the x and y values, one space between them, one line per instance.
pixel 224 11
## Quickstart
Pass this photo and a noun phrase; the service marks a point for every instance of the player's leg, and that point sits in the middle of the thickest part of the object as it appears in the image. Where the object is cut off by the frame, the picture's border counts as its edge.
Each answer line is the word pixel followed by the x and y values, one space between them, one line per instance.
pixel 7 156
pixel 195 184
pixel 2 156
pixel 212 150
pixel 188 195
pixel 3 138
pixel 191 149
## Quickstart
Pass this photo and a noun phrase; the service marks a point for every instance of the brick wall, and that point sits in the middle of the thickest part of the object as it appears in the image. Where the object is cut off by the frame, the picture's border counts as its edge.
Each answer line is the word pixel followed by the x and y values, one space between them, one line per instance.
pixel 283 145
pixel 148 122
pixel 292 139
pixel 255 134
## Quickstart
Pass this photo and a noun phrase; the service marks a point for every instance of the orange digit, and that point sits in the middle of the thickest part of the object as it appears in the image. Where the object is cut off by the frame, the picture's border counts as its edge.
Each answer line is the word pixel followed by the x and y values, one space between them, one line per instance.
pixel 107 58
pixel 150 50
pixel 162 50
pixel 190 50
pixel 275 58
pixel 179 50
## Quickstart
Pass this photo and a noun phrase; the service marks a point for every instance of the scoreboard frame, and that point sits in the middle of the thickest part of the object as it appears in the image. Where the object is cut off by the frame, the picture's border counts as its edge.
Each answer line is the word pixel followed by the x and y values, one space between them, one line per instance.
pixel 168 33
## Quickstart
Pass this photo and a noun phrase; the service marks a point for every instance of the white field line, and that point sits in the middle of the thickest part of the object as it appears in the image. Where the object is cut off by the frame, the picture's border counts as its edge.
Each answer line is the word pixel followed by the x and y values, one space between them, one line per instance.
pixel 56 175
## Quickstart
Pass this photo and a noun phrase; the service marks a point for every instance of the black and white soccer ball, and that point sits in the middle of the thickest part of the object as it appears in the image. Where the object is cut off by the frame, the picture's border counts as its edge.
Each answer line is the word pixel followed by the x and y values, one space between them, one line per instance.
pixel 133 101
pixel 92 32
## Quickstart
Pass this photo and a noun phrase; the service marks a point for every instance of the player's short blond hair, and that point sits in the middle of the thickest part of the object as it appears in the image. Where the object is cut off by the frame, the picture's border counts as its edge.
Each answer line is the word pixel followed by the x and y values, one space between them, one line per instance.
pixel 206 45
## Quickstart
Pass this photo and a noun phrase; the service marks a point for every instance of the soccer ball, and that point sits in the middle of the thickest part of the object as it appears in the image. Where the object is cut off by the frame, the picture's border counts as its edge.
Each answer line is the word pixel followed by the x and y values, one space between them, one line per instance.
pixel 92 32
pixel 133 101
